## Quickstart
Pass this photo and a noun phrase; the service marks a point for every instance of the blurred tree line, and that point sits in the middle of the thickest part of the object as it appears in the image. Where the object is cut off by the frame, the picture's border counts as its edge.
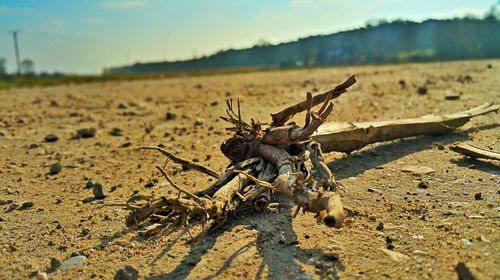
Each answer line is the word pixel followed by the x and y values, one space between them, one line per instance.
pixel 380 41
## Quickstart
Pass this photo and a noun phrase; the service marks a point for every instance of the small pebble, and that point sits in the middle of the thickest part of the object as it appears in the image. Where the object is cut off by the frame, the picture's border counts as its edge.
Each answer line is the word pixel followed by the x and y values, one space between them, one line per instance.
pixel 380 226
pixel 51 138
pixel 90 184
pixel 41 276
pixel 422 90
pixel 86 132
pixel 122 106
pixel 26 205
pixel 423 185
pixel 116 132
pixel 330 256
pixel 127 273
pixel 55 168
pixel 170 116
pixel 73 262
pixel 478 196
pixel 54 264
pixel 199 122
pixel 99 191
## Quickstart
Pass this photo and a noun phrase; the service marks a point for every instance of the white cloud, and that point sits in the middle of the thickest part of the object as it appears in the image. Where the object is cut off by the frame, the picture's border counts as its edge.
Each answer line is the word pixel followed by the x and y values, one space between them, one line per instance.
pixel 125 4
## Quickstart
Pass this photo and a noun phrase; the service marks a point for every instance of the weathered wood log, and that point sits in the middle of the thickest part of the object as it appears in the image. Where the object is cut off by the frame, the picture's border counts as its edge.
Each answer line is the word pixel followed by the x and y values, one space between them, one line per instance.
pixel 475 152
pixel 347 137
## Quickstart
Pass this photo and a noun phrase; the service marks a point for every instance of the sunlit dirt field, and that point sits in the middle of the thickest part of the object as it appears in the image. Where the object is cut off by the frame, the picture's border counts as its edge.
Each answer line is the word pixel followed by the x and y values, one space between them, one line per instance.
pixel 48 218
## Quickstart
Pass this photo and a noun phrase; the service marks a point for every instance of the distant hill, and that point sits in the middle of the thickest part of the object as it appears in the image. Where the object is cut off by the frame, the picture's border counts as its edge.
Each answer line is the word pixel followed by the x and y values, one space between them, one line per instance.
pixel 397 41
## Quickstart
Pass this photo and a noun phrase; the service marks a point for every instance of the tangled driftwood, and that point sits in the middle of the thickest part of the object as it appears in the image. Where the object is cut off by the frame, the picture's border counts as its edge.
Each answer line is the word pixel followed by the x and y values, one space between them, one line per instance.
pixel 273 159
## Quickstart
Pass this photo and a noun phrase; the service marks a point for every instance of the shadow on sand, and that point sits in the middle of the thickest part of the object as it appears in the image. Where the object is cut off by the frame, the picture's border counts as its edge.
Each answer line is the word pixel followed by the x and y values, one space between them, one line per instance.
pixel 277 242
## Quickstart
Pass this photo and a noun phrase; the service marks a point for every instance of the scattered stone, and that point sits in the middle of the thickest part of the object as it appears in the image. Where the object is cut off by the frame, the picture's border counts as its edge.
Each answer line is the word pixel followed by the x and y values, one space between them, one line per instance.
pixel 116 132
pixel 423 185
pixel 389 239
pixel 4 202
pixel 54 264
pixel 330 256
pixel 489 66
pixel 214 103
pixel 467 242
pixel 26 205
pixel 199 122
pixel 99 191
pixel 126 144
pixel 122 106
pixel 85 232
pixel 55 168
pixel 478 196
pixel 380 226
pixel 149 184
pixel 417 170
pixel 41 276
pixel 11 208
pixel 127 273
pixel 86 132
pixel 390 246
pixel 373 190
pixel 464 272
pixel 89 184
pixel 170 116
pixel 51 138
pixel 73 262
pixel 395 256
pixel 422 90
pixel 464 79
pixel 54 103
pixel 12 248
pixel 33 146
pixel 402 84
pixel 451 95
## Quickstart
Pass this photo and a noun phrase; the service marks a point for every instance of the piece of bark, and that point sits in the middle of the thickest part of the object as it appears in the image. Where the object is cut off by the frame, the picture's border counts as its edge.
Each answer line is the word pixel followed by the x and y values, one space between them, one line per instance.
pixel 283 116
pixel 347 137
pixel 475 152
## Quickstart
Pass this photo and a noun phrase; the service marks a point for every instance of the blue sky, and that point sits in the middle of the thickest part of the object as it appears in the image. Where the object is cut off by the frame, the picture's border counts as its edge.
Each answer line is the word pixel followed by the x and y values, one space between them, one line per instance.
pixel 87 35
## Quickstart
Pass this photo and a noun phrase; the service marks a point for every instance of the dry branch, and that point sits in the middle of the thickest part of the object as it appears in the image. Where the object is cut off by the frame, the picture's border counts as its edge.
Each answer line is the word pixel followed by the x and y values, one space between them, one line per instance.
pixel 347 137
pixel 475 152
pixel 185 162
pixel 283 116
pixel 273 159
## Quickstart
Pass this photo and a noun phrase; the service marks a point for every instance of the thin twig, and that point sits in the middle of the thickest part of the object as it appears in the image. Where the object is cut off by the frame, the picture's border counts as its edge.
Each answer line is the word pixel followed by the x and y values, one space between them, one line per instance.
pixel 193 196
pixel 178 160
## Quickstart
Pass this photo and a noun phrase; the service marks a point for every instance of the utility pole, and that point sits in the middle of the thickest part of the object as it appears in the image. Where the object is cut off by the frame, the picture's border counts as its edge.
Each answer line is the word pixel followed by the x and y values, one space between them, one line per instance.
pixel 16 48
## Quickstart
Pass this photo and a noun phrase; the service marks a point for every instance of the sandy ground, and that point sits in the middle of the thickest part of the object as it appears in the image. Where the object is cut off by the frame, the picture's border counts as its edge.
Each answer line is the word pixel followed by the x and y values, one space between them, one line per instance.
pixel 47 217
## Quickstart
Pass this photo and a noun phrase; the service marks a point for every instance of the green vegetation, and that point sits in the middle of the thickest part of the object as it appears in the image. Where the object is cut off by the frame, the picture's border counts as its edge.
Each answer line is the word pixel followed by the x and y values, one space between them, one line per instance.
pixel 16 81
